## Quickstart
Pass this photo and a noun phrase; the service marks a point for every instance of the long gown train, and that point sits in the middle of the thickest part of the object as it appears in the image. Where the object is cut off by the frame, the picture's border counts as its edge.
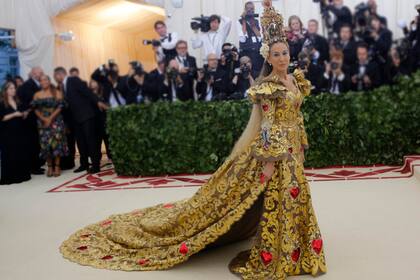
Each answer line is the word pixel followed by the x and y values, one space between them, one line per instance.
pixel 233 205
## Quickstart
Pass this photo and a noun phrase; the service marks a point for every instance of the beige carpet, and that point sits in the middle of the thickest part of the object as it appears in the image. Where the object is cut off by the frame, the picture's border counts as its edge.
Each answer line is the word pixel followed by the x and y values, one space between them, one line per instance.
pixel 371 230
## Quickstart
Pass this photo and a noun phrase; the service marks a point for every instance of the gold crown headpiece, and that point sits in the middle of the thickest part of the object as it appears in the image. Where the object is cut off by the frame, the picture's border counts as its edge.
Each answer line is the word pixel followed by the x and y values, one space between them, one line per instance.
pixel 273 30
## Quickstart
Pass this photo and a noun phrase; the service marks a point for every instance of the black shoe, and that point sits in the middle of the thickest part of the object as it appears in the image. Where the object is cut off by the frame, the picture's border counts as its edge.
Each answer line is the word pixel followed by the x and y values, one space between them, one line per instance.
pixel 39 171
pixel 80 169
pixel 94 170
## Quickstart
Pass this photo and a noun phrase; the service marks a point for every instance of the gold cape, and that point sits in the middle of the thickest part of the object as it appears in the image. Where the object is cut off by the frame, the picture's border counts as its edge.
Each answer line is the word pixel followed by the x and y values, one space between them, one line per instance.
pixel 235 204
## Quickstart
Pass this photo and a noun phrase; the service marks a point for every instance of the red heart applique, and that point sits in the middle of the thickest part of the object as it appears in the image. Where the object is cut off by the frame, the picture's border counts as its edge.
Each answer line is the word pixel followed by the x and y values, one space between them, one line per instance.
pixel 265 107
pixel 107 258
pixel 169 205
pixel 266 257
pixel 290 150
pixel 183 249
pixel 262 178
pixel 294 192
pixel 85 235
pixel 82 248
pixel 296 255
pixel 142 261
pixel 317 245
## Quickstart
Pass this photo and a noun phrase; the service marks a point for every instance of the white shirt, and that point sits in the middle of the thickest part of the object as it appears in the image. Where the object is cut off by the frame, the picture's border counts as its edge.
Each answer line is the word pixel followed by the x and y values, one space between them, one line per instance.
pixel 212 41
pixel 113 100
pixel 334 87
pixel 167 45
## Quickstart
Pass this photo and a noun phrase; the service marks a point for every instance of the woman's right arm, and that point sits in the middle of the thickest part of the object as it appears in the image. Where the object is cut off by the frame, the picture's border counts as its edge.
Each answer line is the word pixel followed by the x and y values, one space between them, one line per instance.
pixel 10 116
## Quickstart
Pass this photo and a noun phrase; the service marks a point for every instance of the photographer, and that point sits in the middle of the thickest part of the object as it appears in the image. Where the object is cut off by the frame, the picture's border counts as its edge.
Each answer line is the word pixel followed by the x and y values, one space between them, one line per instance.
pixel 335 79
pixel 414 38
pixel 398 64
pixel 174 88
pixel 316 44
pixel 365 74
pixel 212 40
pixel 346 44
pixel 164 48
pixel 154 80
pixel 229 60
pixel 379 39
pixel 108 77
pixel 187 64
pixel 132 86
pixel 249 33
pixel 313 72
pixel 373 11
pixel 244 78
pixel 212 81
pixel 295 37
pixel 341 13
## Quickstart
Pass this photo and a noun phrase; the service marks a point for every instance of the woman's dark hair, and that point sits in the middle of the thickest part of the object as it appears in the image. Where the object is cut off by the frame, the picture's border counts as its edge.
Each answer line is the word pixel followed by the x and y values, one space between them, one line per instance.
pixel 3 97
pixel 215 17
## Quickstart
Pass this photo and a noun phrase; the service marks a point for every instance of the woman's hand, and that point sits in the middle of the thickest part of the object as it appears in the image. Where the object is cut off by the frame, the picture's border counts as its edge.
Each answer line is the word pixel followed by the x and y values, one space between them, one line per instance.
pixel 267 4
pixel 268 171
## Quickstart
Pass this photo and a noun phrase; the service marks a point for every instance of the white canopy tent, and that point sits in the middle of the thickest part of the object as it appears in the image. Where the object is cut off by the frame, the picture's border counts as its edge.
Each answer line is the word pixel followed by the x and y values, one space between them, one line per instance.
pixel 35 34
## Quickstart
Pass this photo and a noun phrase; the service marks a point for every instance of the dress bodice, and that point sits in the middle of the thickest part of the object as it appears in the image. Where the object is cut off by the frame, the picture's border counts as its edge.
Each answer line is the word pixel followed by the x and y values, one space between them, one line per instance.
pixel 47 105
pixel 282 129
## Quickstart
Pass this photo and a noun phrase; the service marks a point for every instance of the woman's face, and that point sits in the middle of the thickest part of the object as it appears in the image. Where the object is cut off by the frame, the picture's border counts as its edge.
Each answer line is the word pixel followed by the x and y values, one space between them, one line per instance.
pixel 45 82
pixel 279 57
pixel 11 90
pixel 295 25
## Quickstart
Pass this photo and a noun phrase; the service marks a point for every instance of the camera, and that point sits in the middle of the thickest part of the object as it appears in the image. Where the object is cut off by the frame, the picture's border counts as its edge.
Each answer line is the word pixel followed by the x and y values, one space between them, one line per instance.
pixel 138 68
pixel 244 71
pixel 172 73
pixel 360 14
pixel 201 23
pixel 334 65
pixel 154 43
pixel 208 75
pixel 228 53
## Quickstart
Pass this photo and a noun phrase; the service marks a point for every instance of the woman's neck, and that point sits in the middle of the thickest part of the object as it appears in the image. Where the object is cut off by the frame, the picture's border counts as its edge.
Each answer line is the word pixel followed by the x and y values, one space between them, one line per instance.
pixel 282 74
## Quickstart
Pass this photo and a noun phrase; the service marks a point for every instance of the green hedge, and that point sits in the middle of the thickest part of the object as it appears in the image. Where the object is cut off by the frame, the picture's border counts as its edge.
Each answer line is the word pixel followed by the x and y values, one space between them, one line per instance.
pixel 361 128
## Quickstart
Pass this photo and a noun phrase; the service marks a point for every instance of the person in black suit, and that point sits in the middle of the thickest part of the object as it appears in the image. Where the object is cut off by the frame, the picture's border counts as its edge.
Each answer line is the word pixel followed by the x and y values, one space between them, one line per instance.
pixel 25 94
pixel 380 41
pixel 312 71
pixel 212 81
pixel 346 44
pixel 245 76
pixel 365 74
pixel 82 103
pixel 342 13
pixel 187 66
pixel 336 79
pixel 174 87
pixel 153 80
pixel 317 45
pixel 132 85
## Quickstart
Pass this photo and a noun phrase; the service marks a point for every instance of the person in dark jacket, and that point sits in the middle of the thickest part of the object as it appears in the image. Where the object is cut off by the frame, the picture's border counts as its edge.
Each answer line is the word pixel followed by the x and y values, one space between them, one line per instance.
pixel 26 94
pixel 82 103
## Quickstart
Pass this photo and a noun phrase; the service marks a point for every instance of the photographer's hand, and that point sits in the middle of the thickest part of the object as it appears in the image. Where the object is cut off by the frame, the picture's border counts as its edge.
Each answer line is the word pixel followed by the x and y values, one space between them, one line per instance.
pixel 235 80
pixel 200 76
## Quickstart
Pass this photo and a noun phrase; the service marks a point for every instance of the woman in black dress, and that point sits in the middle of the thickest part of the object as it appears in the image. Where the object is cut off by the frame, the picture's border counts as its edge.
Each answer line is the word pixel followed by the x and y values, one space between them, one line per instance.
pixel 14 156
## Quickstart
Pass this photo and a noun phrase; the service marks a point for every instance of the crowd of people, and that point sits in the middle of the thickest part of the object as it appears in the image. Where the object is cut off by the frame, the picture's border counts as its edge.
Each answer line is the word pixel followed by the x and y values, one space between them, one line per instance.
pixel 42 123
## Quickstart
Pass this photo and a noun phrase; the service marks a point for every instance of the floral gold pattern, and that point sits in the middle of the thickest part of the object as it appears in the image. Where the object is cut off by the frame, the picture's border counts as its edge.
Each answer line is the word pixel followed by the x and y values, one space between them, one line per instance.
pixel 287 239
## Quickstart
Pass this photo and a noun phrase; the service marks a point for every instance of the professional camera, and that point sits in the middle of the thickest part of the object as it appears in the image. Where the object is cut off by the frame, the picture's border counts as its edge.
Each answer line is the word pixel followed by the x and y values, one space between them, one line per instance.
pixel 208 75
pixel 109 69
pixel 172 73
pixel 202 23
pixel 244 71
pixel 334 66
pixel 138 68
pixel 250 16
pixel 228 53
pixel 360 14
pixel 154 43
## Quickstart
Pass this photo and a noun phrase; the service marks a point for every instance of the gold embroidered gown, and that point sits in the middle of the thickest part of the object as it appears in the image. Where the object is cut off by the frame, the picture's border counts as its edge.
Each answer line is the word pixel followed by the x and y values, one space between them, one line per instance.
pixel 233 205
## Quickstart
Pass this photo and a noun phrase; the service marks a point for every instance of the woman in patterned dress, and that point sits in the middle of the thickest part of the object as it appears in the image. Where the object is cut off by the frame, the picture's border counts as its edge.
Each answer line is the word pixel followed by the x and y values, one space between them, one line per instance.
pixel 260 191
pixel 48 104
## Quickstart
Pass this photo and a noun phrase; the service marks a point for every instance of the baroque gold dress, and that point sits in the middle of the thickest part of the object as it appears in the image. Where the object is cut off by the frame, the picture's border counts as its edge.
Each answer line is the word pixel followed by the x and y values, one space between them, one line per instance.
pixel 234 204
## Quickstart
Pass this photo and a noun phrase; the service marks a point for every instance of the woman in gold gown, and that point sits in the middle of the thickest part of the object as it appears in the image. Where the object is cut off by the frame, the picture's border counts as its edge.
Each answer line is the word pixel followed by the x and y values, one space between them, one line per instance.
pixel 260 191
